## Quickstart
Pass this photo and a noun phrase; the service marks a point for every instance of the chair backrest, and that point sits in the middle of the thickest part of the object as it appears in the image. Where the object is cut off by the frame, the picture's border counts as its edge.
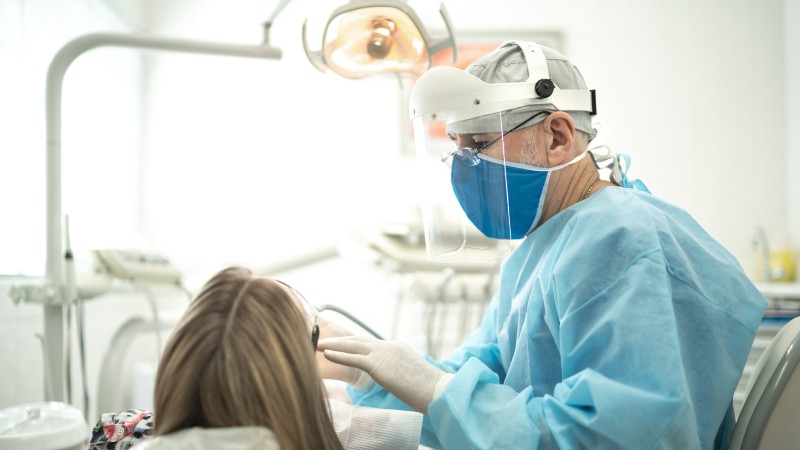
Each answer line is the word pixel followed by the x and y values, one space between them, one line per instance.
pixel 770 416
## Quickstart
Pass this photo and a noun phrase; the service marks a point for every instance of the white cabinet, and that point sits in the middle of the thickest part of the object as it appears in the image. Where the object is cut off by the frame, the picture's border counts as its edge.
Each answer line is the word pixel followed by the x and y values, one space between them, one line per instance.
pixel 780 291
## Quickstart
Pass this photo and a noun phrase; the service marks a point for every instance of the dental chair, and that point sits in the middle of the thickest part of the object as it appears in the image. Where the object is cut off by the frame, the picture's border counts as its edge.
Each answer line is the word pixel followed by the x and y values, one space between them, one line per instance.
pixel 770 416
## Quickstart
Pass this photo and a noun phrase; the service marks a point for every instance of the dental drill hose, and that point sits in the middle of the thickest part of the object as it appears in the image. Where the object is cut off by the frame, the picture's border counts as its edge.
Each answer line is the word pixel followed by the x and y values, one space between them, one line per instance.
pixel 70 294
pixel 72 298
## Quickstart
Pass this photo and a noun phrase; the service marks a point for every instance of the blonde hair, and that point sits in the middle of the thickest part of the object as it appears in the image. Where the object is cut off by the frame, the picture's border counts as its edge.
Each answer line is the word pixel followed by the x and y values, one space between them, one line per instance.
pixel 242 356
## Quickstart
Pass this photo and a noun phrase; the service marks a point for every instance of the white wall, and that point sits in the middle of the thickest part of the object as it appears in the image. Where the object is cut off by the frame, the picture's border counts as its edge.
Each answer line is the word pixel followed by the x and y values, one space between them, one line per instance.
pixel 20 350
pixel 792 53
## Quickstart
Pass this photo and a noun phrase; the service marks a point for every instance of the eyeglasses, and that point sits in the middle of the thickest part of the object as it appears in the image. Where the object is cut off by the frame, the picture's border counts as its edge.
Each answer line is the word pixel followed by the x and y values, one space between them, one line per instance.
pixel 310 311
pixel 469 155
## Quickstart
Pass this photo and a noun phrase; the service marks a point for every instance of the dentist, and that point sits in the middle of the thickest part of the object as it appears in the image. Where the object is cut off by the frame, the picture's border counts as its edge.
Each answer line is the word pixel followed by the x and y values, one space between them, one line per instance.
pixel 619 322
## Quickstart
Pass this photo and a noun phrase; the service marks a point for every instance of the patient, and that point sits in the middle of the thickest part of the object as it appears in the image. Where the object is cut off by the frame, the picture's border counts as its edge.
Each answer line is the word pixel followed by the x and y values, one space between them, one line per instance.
pixel 239 371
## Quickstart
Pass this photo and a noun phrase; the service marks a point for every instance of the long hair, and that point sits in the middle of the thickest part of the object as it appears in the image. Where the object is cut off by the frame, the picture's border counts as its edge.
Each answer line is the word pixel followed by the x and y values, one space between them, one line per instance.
pixel 242 356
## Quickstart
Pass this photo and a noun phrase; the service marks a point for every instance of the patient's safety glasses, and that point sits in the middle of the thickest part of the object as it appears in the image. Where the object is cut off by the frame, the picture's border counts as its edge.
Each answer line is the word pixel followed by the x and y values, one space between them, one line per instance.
pixel 310 311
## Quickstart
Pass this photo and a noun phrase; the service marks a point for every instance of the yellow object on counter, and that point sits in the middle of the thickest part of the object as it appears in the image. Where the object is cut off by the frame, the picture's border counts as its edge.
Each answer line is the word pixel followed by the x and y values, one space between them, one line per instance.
pixel 781 263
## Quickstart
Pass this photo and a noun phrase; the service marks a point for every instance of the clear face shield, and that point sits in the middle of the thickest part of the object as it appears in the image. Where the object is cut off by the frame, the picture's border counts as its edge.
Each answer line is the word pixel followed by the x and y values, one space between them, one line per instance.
pixel 448 156
pixel 468 140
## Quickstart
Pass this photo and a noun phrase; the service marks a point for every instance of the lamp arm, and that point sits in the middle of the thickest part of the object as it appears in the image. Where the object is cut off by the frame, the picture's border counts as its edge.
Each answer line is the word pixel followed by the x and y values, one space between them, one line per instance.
pixel 267 25
pixel 448 41
pixel 278 8
pixel 54 307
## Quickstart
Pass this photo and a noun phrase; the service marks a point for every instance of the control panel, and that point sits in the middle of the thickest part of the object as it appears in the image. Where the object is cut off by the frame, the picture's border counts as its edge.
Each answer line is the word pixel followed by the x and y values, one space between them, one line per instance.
pixel 138 265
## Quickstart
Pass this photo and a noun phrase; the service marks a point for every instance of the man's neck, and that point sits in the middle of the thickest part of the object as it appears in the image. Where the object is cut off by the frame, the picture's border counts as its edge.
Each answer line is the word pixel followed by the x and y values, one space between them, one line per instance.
pixel 571 185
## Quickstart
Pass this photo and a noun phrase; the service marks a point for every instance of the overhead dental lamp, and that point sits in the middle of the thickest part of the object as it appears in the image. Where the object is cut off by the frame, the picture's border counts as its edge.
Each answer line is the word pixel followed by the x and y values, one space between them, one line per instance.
pixel 364 37
pixel 370 37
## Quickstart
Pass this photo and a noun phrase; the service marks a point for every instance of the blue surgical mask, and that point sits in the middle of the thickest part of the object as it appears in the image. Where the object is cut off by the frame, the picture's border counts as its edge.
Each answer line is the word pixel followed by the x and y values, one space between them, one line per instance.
pixel 479 190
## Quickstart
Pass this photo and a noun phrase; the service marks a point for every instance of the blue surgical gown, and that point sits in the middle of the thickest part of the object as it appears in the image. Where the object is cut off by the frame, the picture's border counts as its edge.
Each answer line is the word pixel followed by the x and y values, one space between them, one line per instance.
pixel 619 323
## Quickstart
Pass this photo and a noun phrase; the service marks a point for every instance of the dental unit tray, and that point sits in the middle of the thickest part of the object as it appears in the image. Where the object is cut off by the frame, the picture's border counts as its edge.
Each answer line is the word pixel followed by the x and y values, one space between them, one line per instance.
pixel 138 266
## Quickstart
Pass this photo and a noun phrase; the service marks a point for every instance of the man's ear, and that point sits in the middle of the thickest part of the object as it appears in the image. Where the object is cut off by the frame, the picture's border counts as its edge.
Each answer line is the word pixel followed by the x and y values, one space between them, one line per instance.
pixel 561 137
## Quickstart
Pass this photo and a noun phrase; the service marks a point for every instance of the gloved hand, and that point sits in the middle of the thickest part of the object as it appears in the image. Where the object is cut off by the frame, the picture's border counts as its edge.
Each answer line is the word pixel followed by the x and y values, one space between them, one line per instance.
pixel 392 364
pixel 330 370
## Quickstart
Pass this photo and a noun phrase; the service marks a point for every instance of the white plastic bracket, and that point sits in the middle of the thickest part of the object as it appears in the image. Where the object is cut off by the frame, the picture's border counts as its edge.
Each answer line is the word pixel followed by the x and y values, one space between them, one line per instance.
pixel 44 294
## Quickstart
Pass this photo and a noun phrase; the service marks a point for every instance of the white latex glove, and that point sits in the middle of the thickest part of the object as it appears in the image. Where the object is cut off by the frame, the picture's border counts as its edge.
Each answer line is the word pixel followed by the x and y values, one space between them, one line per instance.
pixel 330 370
pixel 392 364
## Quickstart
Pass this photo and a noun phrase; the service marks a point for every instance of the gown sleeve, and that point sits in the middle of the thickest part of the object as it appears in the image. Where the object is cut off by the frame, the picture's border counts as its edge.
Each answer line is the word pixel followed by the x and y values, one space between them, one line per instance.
pixel 480 345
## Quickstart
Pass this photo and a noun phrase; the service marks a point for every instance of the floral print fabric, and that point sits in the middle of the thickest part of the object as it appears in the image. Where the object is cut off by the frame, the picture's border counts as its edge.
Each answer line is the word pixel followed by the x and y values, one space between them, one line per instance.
pixel 121 430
